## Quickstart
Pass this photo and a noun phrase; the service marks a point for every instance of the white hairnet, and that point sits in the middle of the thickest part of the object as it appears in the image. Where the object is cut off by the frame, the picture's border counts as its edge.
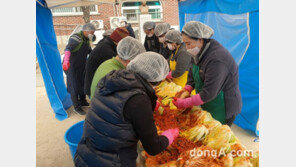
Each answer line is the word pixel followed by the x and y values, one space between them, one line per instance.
pixel 161 29
pixel 148 25
pixel 196 29
pixel 108 32
pixel 88 27
pixel 173 36
pixel 150 65
pixel 122 18
pixel 128 48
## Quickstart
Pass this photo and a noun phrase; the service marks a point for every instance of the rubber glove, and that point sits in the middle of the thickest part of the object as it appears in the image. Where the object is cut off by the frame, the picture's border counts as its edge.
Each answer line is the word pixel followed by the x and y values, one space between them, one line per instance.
pixel 66 63
pixel 188 88
pixel 188 102
pixel 169 76
pixel 171 134
pixel 157 105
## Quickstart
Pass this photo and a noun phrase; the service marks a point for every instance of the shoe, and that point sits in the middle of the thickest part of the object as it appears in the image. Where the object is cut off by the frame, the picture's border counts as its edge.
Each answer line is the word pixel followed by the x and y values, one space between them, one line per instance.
pixel 84 103
pixel 79 111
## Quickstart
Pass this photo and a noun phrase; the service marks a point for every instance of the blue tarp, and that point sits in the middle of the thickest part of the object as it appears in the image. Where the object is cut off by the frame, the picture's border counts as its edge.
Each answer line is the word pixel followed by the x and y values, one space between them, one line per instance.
pixel 236 26
pixel 50 61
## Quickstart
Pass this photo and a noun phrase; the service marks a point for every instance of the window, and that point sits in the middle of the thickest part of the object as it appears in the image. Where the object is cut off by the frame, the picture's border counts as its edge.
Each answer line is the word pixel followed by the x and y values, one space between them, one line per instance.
pixel 131 10
pixel 73 11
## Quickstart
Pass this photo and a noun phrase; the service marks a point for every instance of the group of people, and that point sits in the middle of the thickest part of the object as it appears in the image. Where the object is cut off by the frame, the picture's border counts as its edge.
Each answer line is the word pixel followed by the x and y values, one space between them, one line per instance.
pixel 119 76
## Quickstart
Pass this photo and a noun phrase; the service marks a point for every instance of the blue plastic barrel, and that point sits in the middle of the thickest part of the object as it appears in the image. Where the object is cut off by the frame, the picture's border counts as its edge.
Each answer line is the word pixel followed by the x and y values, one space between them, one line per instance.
pixel 73 136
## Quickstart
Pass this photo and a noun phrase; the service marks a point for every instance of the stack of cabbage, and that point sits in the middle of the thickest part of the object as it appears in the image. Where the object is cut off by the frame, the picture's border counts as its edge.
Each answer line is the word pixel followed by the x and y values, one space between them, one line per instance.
pixel 166 91
pixel 211 133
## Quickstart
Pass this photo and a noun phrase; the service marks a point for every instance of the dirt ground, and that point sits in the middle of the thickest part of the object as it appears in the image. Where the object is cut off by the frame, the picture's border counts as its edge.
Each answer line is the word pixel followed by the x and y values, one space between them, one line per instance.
pixel 51 149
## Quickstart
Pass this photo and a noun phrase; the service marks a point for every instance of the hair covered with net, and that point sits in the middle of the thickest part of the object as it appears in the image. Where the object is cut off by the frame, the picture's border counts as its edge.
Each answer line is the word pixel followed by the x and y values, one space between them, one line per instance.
pixel 150 65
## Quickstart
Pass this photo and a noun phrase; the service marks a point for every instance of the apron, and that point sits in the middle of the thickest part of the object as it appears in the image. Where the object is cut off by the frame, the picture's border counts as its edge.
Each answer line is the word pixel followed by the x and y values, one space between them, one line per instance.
pixel 216 106
pixel 182 80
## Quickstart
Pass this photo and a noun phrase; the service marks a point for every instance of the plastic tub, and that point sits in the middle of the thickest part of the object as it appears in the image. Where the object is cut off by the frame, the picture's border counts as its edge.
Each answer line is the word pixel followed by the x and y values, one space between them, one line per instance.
pixel 73 135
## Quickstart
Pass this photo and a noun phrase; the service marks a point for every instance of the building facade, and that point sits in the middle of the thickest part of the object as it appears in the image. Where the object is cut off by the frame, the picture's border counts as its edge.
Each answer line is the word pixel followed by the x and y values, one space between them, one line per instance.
pixel 66 19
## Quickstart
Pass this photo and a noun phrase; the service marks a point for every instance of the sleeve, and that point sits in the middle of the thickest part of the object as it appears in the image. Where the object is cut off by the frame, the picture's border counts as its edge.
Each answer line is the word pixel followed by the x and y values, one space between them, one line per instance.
pixel 190 80
pixel 215 76
pixel 73 42
pixel 139 112
pixel 183 62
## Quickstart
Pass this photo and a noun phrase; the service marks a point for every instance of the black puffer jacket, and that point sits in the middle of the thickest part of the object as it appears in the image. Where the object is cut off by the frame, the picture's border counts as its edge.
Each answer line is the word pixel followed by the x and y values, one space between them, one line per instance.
pixel 106 49
pixel 109 139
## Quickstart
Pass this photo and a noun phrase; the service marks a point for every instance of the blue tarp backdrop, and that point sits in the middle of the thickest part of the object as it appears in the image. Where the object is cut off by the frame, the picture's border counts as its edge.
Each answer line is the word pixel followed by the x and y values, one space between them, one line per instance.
pixel 236 26
pixel 50 62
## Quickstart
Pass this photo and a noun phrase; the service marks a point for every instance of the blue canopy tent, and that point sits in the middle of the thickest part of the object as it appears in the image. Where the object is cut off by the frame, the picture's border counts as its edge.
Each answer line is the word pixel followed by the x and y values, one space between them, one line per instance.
pixel 48 55
pixel 236 26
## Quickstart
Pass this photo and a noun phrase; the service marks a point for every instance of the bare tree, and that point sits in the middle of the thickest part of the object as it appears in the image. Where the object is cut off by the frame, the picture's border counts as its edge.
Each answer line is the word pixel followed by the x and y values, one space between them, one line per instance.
pixel 86 13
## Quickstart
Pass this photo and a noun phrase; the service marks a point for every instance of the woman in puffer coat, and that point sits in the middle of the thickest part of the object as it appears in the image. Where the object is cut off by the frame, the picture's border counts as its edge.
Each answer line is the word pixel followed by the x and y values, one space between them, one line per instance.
pixel 121 114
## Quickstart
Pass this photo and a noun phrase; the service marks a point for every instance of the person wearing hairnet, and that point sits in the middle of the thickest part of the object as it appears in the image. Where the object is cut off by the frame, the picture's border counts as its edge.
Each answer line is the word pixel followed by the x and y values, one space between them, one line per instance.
pixel 74 62
pixel 180 59
pixel 151 42
pixel 105 50
pixel 160 31
pixel 214 75
pixel 121 114
pixel 123 23
pixel 127 49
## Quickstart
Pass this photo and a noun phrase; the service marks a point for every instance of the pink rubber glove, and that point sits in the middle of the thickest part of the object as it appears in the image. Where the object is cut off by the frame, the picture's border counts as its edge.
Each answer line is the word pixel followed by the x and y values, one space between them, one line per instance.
pixel 188 88
pixel 169 76
pixel 171 134
pixel 157 106
pixel 188 102
pixel 66 63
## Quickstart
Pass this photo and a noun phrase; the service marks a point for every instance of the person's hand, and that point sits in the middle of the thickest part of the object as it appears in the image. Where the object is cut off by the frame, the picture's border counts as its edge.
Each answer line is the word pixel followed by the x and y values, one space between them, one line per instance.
pixel 188 102
pixel 169 76
pixel 182 103
pixel 66 65
pixel 171 134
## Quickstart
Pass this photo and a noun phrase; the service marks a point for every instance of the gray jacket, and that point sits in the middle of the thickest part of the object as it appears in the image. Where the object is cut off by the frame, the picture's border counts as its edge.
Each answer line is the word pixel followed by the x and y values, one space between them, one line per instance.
pixel 219 72
pixel 183 61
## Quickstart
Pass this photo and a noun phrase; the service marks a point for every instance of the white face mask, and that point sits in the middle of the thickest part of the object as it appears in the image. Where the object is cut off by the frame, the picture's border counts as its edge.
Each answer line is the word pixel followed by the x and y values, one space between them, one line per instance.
pixel 90 37
pixel 161 39
pixel 193 51
pixel 171 47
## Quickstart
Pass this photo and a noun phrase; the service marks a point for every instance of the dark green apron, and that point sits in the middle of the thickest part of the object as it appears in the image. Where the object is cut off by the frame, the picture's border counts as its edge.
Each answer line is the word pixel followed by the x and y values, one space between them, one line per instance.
pixel 216 107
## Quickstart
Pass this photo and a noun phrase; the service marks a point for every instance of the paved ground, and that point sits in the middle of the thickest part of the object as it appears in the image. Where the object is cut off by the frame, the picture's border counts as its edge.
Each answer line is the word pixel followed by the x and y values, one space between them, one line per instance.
pixel 51 149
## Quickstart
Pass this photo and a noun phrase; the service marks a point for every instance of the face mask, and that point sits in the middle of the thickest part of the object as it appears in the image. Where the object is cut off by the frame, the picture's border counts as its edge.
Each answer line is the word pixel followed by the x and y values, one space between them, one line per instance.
pixel 162 39
pixel 171 47
pixel 194 51
pixel 150 35
pixel 90 37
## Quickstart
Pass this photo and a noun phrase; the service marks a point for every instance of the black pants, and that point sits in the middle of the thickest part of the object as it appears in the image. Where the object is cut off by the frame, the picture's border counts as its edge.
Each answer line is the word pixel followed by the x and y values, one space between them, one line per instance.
pixel 75 84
